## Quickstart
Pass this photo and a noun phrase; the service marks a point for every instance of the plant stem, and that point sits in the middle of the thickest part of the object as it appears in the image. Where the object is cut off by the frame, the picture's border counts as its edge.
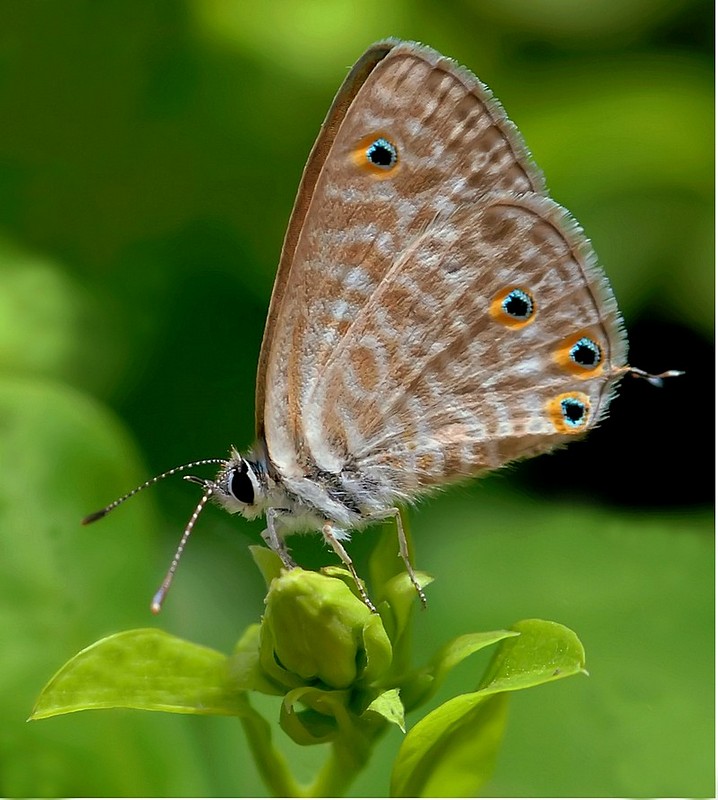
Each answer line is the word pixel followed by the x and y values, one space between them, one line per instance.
pixel 335 776
pixel 270 762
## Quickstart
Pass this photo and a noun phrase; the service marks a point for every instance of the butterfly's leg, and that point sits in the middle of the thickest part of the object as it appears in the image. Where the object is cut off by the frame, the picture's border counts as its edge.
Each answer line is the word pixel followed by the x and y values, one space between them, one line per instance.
pixel 331 539
pixel 274 541
pixel 404 549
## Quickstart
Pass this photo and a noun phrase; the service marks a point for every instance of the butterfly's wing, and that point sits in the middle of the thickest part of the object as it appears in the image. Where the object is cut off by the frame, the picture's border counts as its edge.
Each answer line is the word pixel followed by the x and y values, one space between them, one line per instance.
pixel 354 81
pixel 493 336
pixel 354 221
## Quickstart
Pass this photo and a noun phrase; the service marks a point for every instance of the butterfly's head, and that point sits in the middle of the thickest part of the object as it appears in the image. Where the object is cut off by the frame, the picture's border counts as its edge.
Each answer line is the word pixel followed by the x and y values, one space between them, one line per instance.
pixel 241 486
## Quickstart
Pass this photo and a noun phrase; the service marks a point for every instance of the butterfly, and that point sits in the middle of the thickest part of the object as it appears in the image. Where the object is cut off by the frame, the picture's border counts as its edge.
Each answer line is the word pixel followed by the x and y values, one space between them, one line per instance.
pixel 435 314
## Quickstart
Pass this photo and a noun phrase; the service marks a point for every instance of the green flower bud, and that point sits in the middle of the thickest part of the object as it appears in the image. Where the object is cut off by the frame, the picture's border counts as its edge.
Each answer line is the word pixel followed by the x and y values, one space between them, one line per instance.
pixel 316 629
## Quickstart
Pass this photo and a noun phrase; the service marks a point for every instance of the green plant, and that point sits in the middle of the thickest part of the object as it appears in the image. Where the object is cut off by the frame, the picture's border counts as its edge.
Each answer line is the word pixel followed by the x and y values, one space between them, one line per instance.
pixel 343 674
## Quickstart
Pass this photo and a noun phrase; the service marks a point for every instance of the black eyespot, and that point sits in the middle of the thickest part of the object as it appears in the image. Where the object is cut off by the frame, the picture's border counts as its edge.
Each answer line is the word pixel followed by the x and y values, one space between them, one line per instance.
pixel 382 153
pixel 586 353
pixel 573 411
pixel 240 485
pixel 518 304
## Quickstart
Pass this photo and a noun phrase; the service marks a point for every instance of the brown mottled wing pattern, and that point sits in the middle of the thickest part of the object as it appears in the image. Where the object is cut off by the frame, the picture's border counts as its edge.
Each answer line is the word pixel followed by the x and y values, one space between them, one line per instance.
pixel 352 231
pixel 428 385
pixel 312 170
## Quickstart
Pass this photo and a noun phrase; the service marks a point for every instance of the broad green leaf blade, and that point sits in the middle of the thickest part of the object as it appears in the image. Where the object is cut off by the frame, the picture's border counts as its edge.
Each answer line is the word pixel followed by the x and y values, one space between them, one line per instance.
pixel 462 647
pixel 452 751
pixel 426 682
pixel 545 651
pixel 388 705
pixel 144 669
pixel 434 758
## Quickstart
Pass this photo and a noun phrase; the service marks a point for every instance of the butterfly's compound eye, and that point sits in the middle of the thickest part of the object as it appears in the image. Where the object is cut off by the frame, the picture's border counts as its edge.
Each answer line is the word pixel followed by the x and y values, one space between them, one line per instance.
pixel 240 484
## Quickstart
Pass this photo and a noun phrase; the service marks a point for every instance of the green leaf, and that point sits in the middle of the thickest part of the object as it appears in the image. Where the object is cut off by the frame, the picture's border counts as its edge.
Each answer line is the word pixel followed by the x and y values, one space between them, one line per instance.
pixel 144 669
pixel 391 586
pixel 389 705
pixel 462 647
pixel 426 682
pixel 269 563
pixel 545 651
pixel 452 750
pixel 398 599
pixel 325 714
pixel 385 561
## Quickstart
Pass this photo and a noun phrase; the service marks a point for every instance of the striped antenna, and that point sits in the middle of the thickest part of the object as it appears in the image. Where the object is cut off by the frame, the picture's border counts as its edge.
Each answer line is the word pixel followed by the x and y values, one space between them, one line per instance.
pixel 106 510
pixel 161 593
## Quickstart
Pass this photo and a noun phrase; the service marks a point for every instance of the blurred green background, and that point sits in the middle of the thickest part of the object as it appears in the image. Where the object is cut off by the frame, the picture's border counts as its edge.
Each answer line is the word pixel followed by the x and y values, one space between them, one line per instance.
pixel 149 156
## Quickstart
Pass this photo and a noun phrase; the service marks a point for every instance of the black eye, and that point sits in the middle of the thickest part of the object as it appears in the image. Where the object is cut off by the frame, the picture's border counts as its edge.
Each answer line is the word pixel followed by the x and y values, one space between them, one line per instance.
pixel 586 353
pixel 518 304
pixel 382 153
pixel 240 485
pixel 574 411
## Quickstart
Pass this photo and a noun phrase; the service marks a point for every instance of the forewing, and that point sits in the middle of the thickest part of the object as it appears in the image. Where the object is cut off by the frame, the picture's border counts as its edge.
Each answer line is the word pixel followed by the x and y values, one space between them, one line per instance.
pixel 351 223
